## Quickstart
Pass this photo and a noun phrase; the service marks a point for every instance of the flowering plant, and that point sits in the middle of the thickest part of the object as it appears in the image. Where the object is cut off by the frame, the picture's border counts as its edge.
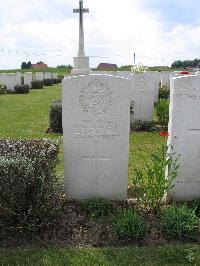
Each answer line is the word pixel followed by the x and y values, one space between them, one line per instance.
pixel 164 134
pixel 139 69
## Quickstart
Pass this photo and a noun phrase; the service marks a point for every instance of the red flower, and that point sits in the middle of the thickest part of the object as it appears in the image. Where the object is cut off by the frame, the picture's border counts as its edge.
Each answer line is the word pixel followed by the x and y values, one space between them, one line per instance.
pixel 185 73
pixel 164 134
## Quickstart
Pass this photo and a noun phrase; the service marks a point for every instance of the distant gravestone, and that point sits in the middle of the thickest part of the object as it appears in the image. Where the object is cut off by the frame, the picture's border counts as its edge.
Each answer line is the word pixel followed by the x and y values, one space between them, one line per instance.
pixel 54 75
pixel 184 135
pixel 96 124
pixel 142 97
pixel 9 79
pixel 28 78
pixel 39 76
pixel 47 75
pixel 165 78
pixel 18 78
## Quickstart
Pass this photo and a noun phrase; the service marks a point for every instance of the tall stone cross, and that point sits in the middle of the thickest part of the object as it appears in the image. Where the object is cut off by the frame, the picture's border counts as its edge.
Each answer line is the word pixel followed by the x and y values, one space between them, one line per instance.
pixel 81 10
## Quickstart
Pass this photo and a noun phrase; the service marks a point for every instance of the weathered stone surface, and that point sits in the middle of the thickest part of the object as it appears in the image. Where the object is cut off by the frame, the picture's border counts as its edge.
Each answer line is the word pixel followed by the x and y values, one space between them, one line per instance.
pixel 184 135
pixel 165 78
pixel 39 76
pixel 47 75
pixel 142 97
pixel 19 78
pixel 9 80
pixel 96 124
pixel 54 75
pixel 28 78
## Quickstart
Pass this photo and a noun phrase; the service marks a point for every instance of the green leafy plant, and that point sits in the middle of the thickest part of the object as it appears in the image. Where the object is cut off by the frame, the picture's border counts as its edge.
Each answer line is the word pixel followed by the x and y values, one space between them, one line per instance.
pixel 30 191
pixel 2 88
pixel 151 181
pixel 196 205
pixel 162 111
pixel 164 92
pixel 129 224
pixel 55 116
pixel 179 222
pixel 143 126
pixel 98 208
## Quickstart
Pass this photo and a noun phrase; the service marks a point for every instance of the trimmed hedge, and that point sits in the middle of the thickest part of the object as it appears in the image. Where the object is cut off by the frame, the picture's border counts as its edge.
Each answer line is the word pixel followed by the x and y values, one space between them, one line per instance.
pixel 48 82
pixel 30 192
pixel 55 116
pixel 21 89
pixel 36 84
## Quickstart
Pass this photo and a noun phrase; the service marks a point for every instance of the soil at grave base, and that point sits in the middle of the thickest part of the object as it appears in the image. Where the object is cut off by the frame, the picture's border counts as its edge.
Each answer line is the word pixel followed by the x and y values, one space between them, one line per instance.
pixel 75 229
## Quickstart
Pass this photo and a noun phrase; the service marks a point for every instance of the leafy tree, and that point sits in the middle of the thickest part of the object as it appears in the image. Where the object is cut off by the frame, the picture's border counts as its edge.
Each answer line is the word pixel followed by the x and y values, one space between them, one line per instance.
pixel 23 65
pixel 186 63
pixel 28 65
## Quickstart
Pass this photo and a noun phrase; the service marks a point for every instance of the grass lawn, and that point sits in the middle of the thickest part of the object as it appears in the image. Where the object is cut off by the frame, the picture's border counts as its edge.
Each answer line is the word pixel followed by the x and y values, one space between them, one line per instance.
pixel 26 116
pixel 166 255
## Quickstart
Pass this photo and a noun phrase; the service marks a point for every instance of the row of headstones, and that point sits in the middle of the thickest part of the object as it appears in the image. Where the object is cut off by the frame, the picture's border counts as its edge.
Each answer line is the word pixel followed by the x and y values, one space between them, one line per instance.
pixel 13 79
pixel 96 119
pixel 144 92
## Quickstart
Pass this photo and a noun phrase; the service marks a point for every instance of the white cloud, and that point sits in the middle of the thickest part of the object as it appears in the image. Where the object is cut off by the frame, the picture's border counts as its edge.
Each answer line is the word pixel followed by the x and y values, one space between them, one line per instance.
pixel 112 28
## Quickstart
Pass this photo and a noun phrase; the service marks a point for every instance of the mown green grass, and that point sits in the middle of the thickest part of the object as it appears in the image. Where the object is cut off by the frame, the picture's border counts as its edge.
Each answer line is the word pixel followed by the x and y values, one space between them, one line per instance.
pixel 26 115
pixel 166 255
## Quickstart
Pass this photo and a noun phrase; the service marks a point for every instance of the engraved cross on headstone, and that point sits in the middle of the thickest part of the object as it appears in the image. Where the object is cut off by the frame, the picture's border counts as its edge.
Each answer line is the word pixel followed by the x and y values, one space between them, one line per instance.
pixel 81 10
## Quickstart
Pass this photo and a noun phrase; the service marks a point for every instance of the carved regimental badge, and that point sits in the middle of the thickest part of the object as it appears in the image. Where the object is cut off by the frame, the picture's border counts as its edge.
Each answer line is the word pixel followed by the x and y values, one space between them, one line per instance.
pixel 96 98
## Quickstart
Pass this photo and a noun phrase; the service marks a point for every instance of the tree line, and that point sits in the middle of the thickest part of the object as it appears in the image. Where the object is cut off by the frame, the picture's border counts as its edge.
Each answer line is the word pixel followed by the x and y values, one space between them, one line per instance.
pixel 186 63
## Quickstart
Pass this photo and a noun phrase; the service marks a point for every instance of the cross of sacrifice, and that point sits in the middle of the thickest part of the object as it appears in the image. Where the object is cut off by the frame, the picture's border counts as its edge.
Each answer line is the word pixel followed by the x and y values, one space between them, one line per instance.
pixel 81 11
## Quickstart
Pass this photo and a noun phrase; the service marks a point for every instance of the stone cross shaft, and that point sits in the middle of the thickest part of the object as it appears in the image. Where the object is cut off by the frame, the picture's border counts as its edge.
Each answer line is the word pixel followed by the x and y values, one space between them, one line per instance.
pixel 81 10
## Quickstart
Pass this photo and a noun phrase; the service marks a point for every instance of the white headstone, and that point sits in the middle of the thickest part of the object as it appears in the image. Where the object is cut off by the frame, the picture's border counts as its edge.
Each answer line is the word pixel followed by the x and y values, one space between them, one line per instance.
pixel 9 79
pixel 28 78
pixel 96 124
pixel 165 78
pixel 54 75
pixel 19 78
pixel 47 75
pixel 142 97
pixel 39 76
pixel 184 135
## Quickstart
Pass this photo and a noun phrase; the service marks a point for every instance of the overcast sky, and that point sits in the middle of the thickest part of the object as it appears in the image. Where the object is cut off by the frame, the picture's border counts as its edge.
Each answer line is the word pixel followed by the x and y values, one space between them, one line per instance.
pixel 158 31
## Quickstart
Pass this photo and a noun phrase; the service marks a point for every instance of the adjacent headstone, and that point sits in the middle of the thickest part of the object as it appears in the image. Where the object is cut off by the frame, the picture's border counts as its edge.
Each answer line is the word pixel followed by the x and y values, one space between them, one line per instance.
pixel 9 80
pixel 47 75
pixel 39 76
pixel 184 135
pixel 165 78
pixel 142 97
pixel 54 75
pixel 18 78
pixel 28 78
pixel 96 124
